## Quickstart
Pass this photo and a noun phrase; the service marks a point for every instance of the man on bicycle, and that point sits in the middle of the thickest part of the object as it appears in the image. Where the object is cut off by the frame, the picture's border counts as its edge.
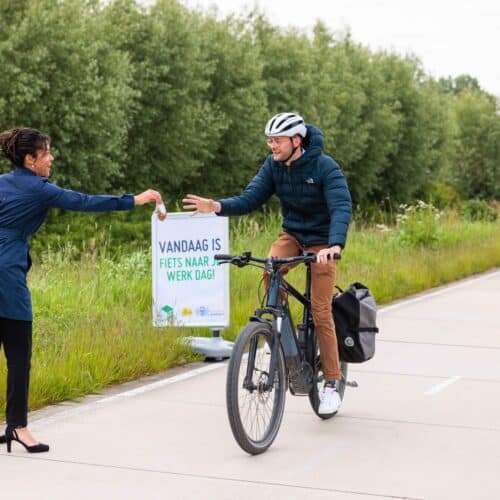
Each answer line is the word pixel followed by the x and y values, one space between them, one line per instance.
pixel 316 208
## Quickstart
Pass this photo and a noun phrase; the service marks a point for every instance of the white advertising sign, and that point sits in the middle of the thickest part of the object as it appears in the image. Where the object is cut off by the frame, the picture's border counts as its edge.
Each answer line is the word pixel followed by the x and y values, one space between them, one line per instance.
pixel 189 287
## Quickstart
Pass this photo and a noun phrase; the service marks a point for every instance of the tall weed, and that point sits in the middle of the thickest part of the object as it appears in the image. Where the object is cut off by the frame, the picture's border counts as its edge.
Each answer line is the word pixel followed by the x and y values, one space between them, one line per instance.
pixel 419 225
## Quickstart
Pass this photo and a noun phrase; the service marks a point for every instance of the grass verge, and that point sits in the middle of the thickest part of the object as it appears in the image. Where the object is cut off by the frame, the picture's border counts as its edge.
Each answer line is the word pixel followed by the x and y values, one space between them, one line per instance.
pixel 93 327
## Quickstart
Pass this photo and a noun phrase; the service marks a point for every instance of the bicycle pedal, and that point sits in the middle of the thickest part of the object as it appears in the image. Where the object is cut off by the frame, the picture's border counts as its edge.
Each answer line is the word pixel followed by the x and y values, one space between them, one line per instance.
pixel 351 383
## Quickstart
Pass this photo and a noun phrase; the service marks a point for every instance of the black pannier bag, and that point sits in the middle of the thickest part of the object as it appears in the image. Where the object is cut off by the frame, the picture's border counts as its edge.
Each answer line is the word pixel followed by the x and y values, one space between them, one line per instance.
pixel 355 317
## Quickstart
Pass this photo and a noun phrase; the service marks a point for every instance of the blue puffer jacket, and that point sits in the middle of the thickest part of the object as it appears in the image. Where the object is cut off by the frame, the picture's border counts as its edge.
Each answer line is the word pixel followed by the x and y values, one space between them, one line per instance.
pixel 25 199
pixel 315 200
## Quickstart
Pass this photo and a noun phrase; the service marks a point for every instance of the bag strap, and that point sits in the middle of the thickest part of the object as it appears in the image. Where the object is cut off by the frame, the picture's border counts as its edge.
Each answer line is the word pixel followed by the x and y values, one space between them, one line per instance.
pixel 359 286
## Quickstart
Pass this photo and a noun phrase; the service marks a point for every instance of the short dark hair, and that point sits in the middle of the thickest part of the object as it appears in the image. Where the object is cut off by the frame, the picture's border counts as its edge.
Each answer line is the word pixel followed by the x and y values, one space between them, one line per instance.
pixel 16 143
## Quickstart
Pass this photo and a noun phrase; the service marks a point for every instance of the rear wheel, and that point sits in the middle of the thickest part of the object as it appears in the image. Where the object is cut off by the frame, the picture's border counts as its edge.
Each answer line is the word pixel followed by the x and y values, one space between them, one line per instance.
pixel 255 411
pixel 319 380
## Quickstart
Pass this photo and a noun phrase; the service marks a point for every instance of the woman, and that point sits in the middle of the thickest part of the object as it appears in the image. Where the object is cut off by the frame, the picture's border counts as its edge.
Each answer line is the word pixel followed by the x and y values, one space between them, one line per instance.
pixel 26 195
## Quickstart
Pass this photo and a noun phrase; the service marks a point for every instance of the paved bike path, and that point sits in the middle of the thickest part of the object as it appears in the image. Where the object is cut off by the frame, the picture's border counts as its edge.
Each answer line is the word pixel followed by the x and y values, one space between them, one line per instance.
pixel 424 423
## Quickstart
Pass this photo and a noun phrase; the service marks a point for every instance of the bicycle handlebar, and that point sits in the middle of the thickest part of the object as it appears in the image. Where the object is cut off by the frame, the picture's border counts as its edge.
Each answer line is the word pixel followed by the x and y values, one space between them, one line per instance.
pixel 246 258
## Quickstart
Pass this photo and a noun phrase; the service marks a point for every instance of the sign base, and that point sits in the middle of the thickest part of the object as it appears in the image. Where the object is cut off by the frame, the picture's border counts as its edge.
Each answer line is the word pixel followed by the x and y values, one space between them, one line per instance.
pixel 215 348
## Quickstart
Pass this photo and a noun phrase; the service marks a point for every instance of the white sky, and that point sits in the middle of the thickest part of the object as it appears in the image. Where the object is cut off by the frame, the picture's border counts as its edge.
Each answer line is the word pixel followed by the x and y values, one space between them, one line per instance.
pixel 450 37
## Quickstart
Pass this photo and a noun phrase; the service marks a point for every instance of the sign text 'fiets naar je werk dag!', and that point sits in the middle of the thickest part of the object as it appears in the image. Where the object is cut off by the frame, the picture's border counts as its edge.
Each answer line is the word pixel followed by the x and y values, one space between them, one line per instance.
pixel 190 288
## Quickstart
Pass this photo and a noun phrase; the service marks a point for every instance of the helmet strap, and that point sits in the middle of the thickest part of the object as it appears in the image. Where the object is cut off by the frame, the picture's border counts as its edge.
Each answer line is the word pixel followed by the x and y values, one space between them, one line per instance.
pixel 293 151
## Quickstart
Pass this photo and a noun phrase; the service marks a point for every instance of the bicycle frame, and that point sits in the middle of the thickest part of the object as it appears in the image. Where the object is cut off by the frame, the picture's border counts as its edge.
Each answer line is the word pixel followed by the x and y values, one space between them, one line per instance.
pixel 299 369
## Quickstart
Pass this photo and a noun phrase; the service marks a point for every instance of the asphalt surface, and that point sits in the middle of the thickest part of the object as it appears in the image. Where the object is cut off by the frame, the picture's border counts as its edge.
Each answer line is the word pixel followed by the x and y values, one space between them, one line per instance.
pixel 423 423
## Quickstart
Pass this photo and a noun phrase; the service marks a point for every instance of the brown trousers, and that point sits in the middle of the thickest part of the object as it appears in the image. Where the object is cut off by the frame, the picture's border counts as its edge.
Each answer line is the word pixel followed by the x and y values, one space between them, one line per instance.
pixel 322 283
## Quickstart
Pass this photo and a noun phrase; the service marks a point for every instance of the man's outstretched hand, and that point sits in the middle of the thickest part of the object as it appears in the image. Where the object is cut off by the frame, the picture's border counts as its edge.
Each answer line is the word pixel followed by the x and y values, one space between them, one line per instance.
pixel 200 205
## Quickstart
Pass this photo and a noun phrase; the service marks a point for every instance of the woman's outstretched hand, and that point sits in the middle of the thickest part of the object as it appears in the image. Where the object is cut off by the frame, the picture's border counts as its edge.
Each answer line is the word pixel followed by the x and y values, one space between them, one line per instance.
pixel 200 205
pixel 148 197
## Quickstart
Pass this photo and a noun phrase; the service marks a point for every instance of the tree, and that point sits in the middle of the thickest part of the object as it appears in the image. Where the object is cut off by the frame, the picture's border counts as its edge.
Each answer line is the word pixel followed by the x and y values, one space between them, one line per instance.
pixel 287 70
pixel 172 121
pixel 476 166
pixel 59 75
pixel 410 164
pixel 236 95
pixel 459 84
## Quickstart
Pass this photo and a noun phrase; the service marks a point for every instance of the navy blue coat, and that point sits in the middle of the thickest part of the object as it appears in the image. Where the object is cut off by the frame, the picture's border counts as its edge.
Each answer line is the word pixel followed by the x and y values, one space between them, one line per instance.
pixel 315 200
pixel 25 199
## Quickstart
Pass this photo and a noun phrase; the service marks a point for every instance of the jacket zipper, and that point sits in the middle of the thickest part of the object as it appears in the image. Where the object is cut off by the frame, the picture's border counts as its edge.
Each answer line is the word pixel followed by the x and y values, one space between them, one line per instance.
pixel 294 193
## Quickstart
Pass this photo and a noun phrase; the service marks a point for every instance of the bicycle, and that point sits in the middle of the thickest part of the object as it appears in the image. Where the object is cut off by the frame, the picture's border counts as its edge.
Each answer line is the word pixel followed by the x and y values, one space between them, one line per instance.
pixel 270 355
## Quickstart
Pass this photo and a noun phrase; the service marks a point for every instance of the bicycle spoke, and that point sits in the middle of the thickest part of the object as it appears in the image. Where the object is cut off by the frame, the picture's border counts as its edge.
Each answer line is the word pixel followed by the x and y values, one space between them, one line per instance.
pixel 257 405
pixel 254 409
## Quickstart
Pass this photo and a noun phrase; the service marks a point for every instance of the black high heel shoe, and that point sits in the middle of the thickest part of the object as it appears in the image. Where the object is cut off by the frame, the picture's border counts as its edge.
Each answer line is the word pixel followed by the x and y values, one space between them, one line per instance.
pixel 11 435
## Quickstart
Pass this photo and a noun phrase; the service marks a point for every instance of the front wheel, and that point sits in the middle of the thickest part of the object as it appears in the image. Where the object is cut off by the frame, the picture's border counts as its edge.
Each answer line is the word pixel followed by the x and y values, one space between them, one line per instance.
pixel 255 411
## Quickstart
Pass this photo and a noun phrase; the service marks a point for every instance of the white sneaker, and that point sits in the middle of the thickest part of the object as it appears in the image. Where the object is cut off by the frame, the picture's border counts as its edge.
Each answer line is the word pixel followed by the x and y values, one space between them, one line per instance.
pixel 329 401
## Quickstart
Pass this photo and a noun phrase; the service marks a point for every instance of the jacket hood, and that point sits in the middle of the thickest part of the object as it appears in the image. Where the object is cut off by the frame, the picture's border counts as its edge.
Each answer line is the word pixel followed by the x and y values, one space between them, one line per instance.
pixel 313 145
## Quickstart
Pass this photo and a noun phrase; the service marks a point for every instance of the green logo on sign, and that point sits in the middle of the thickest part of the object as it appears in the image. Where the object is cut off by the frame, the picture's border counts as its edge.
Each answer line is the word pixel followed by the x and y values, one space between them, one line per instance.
pixel 169 311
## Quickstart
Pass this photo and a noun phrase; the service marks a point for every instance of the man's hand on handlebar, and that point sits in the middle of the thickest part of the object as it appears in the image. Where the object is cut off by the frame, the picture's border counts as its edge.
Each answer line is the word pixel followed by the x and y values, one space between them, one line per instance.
pixel 327 254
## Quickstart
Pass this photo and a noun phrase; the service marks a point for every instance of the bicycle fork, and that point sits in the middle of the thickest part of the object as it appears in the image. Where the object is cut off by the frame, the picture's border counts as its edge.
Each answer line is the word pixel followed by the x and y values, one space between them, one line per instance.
pixel 299 372
pixel 273 363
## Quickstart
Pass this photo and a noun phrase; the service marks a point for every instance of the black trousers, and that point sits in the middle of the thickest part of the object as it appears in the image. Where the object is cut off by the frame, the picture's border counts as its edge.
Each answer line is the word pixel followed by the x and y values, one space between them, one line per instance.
pixel 16 339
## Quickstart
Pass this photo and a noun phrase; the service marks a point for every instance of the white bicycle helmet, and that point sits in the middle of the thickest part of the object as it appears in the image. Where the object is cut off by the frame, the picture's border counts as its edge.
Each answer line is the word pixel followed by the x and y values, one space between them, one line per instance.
pixel 286 124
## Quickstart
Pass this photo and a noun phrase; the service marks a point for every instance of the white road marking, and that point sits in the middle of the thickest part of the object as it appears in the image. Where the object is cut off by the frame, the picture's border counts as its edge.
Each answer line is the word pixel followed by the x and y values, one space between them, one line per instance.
pixel 162 383
pixel 442 385
pixel 82 408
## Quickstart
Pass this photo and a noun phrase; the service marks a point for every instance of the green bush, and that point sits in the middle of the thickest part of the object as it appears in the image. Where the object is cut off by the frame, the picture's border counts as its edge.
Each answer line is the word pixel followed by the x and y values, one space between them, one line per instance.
pixel 442 195
pixel 99 233
pixel 368 214
pixel 478 210
pixel 418 225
